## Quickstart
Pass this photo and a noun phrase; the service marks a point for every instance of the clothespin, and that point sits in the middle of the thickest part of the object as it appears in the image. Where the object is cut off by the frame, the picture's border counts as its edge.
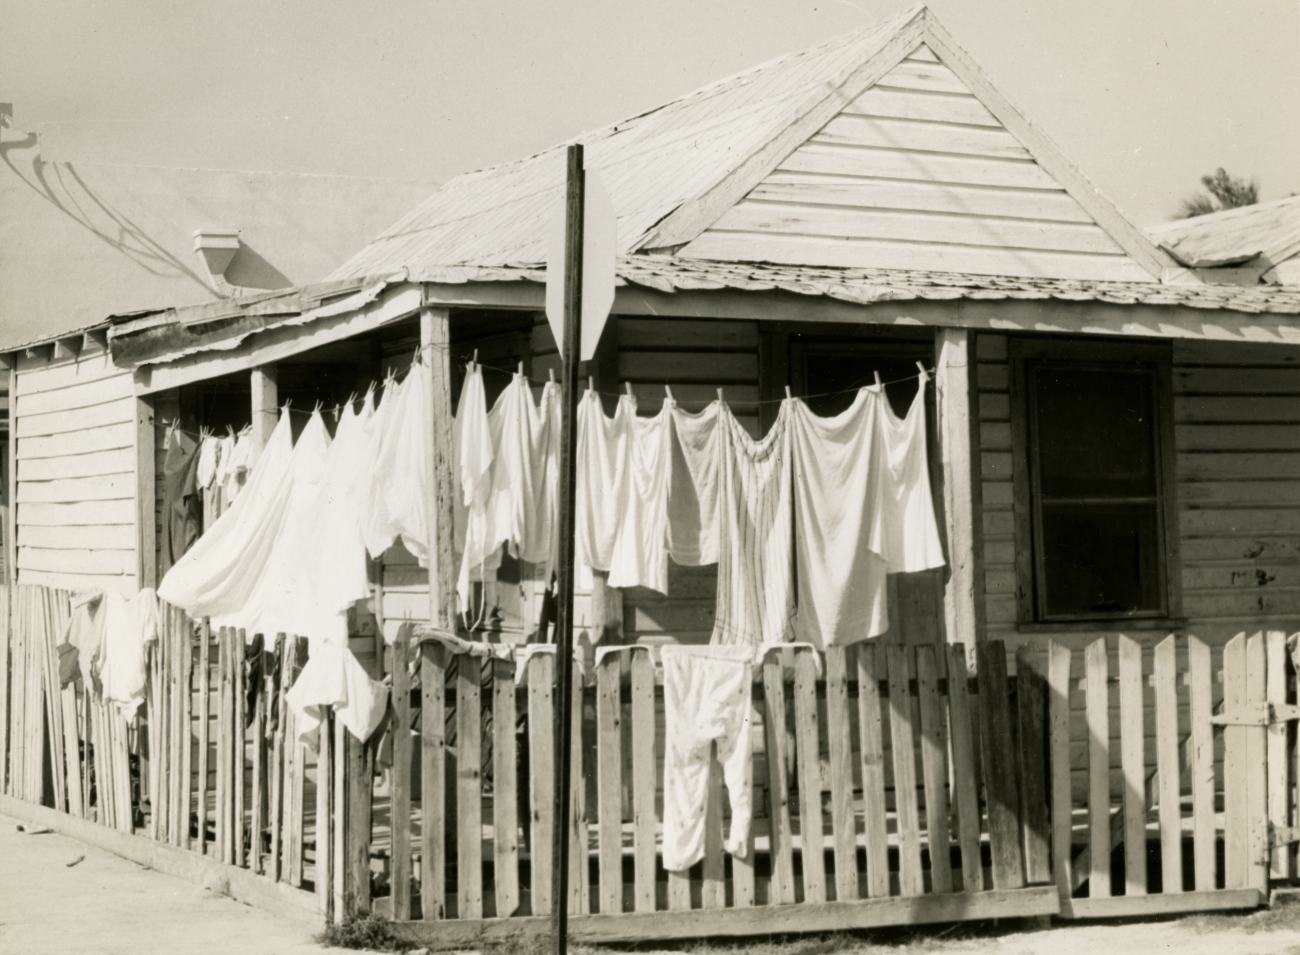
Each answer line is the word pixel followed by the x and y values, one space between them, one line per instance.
pixel 521 369
pixel 921 368
pixel 669 392
pixel 877 374
pixel 628 386
pixel 474 362
pixel 551 373
pixel 720 398
pixel 788 396
pixel 337 409
pixel 591 383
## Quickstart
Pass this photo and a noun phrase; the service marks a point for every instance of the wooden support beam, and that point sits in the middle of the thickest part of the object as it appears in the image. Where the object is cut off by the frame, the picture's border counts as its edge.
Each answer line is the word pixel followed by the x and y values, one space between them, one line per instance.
pixel 435 354
pixel 67 348
pixel 145 477
pixel 266 399
pixel 963 591
pixel 94 342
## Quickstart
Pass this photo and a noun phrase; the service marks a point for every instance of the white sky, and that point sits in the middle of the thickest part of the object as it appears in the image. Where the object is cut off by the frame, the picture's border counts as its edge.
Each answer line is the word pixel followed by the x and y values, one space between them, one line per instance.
pixel 1145 95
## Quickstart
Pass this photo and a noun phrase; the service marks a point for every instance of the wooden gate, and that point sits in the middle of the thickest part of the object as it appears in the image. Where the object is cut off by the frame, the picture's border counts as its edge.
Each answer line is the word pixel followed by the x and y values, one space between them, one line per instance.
pixel 872 805
pixel 1159 755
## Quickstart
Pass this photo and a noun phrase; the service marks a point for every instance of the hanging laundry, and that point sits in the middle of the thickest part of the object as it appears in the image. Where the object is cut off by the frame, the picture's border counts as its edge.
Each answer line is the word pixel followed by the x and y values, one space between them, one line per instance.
pixel 693 487
pixel 284 597
pixel 707 696
pixel 603 449
pixel 337 560
pixel 539 541
pixel 376 523
pixel 128 626
pixel 755 603
pixel 405 463
pixel 217 575
pixel 911 531
pixel 476 435
pixel 238 471
pixel 181 503
pixel 209 452
pixel 334 677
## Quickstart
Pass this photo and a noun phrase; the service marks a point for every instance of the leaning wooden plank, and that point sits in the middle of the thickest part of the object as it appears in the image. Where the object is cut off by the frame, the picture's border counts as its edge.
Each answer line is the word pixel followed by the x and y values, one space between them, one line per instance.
pixel 911 879
pixel 1031 712
pixel 1132 737
pixel 220 812
pixel 433 781
pixel 713 891
pixel 5 628
pixel 1000 781
pixel 541 783
pixel 1096 668
pixel 400 791
pixel 275 703
pixel 53 705
pixel 360 803
pixel 781 891
pixel 1200 711
pixel 965 787
pixel 239 647
pixel 1279 816
pixel 871 668
pixel 186 650
pixel 643 780
pixel 765 920
pixel 609 762
pixel 204 757
pixel 469 788
pixel 1058 683
pixel 808 735
pixel 1156 905
pixel 257 797
pixel 1236 806
pixel 341 818
pixel 172 635
pixel 843 821
pixel 1167 768
pixel 294 772
pixel 324 874
pixel 930 669
pixel 1256 770
pixel 505 801
pixel 579 846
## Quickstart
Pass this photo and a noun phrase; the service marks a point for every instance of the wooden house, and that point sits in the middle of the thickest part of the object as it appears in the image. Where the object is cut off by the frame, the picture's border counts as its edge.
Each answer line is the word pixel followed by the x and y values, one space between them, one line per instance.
pixel 1113 441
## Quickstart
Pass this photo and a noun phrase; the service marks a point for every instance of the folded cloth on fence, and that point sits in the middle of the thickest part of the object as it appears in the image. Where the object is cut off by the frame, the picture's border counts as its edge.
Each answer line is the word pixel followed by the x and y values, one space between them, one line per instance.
pixel 755 603
pixel 333 677
pixel 338 558
pixel 793 645
pixel 602 652
pixel 455 644
pixel 707 694
pixel 217 575
pixel 128 626
pixel 529 650
pixel 86 633
pixel 284 598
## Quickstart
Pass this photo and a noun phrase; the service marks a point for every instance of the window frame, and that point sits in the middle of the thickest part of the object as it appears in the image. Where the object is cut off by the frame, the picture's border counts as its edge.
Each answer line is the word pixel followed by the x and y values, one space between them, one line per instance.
pixel 1154 357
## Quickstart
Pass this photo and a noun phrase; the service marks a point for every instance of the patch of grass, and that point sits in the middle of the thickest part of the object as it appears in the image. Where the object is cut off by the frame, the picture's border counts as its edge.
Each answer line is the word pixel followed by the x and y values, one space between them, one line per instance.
pixel 368 932
pixel 1280 918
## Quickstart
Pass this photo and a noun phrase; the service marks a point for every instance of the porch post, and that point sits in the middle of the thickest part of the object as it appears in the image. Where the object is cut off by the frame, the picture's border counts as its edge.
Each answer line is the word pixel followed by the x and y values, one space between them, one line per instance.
pixel 145 493
pixel 963 591
pixel 435 356
pixel 266 400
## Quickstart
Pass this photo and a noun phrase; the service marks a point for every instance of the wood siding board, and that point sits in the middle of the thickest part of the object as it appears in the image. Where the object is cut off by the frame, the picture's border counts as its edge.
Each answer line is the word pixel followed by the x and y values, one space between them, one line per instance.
pixel 838 159
pixel 888 102
pixel 106 438
pixel 857 129
pixel 60 422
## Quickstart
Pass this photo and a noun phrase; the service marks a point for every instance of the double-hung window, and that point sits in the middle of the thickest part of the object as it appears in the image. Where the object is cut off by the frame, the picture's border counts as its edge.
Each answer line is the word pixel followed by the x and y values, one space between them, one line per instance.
pixel 1095 525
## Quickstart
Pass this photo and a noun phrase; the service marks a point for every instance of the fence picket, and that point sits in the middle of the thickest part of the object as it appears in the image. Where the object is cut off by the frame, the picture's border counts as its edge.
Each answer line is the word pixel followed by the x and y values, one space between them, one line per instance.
pixel 579 880
pixel 1256 768
pixel 911 879
pixel 505 802
pixel 1167 768
pixel 643 779
pixel 469 788
pixel 1132 737
pixel 781 888
pixel 433 782
pixel 1200 706
pixel 1058 682
pixel 609 768
pixel 1097 673
pixel 965 788
pixel 1276 745
pixel 204 757
pixel 1236 807
pixel 239 648
pixel 713 894
pixel 1000 782
pixel 934 766
pixel 843 818
pixel 1031 714
pixel 809 765
pixel 541 766
pixel 400 799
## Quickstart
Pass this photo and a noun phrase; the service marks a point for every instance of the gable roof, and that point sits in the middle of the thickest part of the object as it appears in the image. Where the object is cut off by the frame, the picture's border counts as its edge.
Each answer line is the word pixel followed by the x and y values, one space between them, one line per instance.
pixel 679 171
pixel 1263 235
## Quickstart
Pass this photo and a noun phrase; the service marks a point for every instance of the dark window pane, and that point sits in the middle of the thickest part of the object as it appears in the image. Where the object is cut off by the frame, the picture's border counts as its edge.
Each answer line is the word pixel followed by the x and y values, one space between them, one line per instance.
pixel 1100 559
pixel 1095 432
pixel 834 379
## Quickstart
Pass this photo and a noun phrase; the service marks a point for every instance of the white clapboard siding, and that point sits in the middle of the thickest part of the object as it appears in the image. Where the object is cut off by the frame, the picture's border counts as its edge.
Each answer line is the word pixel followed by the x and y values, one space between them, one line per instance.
pixel 75 473
pixel 917 173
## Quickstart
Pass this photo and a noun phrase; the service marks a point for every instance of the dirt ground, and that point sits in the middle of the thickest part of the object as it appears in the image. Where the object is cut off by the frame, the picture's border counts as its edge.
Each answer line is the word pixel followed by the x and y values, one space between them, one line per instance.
pixel 105 905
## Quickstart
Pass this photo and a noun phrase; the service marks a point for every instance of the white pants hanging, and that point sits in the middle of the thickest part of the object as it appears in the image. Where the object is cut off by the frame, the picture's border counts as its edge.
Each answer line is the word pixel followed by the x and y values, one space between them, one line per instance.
pixel 707 693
